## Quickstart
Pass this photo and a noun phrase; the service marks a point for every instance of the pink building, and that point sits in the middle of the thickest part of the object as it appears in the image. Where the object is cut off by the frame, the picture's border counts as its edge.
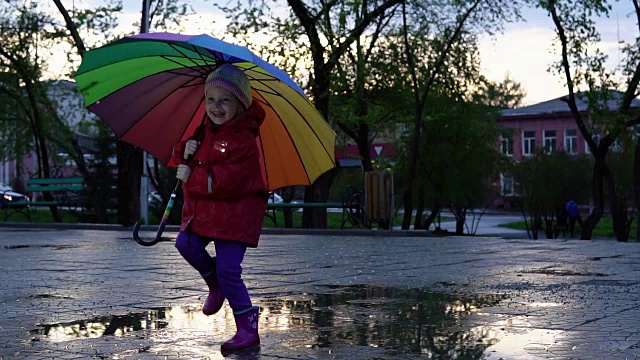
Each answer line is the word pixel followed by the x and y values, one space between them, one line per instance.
pixel 548 124
pixel 70 107
pixel 349 156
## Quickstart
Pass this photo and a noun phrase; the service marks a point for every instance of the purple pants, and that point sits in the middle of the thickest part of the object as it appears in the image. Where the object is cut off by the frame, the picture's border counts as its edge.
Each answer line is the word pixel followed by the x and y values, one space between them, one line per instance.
pixel 226 265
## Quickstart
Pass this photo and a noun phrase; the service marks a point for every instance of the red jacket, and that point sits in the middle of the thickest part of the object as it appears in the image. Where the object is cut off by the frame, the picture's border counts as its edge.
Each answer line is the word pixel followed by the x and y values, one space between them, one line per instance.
pixel 225 196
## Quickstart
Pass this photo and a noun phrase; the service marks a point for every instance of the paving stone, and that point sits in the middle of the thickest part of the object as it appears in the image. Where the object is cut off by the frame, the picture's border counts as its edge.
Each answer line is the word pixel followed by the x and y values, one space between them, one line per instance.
pixel 322 296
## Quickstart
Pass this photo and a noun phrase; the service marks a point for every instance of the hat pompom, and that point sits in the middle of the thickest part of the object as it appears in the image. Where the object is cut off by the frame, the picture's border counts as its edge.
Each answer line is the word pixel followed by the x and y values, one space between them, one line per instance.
pixel 234 80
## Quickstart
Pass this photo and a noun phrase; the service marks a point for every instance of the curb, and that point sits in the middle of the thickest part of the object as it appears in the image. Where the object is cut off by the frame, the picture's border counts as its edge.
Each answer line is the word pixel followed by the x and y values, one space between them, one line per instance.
pixel 265 231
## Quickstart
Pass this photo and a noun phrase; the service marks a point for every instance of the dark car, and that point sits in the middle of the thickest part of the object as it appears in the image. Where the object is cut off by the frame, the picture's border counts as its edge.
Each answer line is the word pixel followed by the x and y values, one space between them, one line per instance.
pixel 7 195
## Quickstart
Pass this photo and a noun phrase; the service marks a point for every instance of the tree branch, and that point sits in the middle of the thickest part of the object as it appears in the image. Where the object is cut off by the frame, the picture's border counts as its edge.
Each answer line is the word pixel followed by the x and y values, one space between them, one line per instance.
pixel 630 94
pixel 445 53
pixel 637 7
pixel 71 26
pixel 357 30
pixel 571 99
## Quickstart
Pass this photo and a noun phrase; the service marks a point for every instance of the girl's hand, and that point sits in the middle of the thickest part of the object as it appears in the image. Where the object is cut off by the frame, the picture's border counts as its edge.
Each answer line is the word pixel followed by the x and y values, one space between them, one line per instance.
pixel 190 148
pixel 183 172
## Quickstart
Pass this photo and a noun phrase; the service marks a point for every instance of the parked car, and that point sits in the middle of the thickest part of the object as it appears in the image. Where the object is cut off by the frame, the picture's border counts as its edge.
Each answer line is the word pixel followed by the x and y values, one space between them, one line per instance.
pixel 155 201
pixel 275 198
pixel 7 195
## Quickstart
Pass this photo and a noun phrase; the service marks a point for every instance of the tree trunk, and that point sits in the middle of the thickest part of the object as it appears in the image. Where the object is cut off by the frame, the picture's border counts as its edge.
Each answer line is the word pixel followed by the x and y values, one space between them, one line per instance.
pixel 99 200
pixel 586 229
pixel 316 218
pixel 319 191
pixel 461 217
pixel 129 179
pixel 364 147
pixel 618 213
pixel 429 220
pixel 636 188
pixel 288 193
pixel 418 222
pixel 549 228
pixel 42 151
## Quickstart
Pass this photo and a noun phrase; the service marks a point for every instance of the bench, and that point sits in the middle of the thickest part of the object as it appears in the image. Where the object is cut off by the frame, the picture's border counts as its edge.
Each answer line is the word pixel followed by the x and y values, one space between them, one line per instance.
pixel 351 206
pixel 67 192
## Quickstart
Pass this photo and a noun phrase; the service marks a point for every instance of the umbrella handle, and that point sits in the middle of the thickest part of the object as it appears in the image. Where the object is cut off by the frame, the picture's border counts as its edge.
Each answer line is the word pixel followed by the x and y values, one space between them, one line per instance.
pixel 163 222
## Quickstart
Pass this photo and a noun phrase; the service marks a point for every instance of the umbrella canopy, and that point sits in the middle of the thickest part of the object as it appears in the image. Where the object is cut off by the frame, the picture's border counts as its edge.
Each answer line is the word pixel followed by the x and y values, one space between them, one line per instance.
pixel 149 88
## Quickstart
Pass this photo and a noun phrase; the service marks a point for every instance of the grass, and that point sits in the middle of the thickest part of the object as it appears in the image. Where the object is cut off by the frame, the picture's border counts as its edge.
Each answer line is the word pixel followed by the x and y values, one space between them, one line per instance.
pixel 43 216
pixel 604 228
pixel 334 219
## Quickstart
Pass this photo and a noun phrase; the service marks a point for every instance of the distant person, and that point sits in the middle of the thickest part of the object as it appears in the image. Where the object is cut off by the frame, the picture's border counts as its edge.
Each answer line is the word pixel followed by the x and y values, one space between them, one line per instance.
pixel 574 216
pixel 225 197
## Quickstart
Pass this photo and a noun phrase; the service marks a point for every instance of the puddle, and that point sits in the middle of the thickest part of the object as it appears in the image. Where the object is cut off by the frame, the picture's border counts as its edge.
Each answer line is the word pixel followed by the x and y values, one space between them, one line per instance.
pixel 54 247
pixel 518 339
pixel 400 321
pixel 561 272
pixel 598 258
pixel 48 296
pixel 519 345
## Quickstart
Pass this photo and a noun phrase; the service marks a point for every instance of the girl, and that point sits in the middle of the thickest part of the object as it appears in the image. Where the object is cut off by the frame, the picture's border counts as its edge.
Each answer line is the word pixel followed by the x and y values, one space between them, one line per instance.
pixel 225 197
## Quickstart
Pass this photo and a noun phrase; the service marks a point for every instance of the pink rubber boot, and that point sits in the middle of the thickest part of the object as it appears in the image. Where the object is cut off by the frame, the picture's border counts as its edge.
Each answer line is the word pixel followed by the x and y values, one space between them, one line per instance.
pixel 247 330
pixel 215 299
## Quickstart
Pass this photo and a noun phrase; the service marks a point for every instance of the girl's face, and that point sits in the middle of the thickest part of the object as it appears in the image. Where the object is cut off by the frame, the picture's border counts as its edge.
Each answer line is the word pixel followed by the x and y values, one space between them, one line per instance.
pixel 221 105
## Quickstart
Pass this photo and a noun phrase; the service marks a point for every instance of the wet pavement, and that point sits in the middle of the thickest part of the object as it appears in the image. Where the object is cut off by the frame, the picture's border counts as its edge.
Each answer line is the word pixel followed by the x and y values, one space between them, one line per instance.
pixel 84 293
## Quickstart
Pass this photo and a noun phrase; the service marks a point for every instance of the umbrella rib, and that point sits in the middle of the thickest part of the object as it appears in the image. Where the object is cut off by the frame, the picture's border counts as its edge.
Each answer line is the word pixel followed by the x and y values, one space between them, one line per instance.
pixel 174 72
pixel 151 107
pixel 290 138
pixel 184 66
pixel 267 74
pixel 170 58
pixel 195 110
pixel 304 118
pixel 196 49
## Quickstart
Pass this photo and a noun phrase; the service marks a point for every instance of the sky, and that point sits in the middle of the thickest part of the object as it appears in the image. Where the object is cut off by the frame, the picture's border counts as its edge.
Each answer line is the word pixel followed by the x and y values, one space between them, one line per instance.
pixel 523 51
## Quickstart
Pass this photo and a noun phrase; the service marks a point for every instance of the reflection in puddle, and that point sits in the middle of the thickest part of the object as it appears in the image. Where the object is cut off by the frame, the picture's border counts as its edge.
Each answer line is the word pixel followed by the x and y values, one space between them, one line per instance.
pixel 517 339
pixel 118 325
pixel 397 320
pixel 405 320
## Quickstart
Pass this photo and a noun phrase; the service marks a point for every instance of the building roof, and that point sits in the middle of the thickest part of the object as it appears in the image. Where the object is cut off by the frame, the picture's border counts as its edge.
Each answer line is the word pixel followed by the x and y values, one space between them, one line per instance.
pixel 559 105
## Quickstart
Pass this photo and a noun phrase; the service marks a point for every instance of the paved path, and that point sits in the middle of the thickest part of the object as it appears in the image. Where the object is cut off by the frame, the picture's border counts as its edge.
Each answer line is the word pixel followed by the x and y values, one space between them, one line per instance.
pixel 488 225
pixel 81 293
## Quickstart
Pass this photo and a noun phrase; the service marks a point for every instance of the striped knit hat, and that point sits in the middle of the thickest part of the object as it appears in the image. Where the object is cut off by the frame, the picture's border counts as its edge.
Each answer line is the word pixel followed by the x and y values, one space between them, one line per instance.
pixel 231 78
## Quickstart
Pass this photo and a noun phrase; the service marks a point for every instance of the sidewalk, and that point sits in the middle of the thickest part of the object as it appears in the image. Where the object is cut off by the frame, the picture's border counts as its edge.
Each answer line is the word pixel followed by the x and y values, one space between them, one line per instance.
pixel 488 225
pixel 86 293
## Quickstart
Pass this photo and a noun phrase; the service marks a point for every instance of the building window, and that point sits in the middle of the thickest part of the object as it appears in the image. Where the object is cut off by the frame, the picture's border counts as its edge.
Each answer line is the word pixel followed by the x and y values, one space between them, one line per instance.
pixel 528 142
pixel 571 141
pixel 506 145
pixel 506 185
pixel 549 141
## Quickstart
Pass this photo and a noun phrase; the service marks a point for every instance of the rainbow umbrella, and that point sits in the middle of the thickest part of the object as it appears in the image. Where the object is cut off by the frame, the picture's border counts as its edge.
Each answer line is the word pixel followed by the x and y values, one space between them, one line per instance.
pixel 149 89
